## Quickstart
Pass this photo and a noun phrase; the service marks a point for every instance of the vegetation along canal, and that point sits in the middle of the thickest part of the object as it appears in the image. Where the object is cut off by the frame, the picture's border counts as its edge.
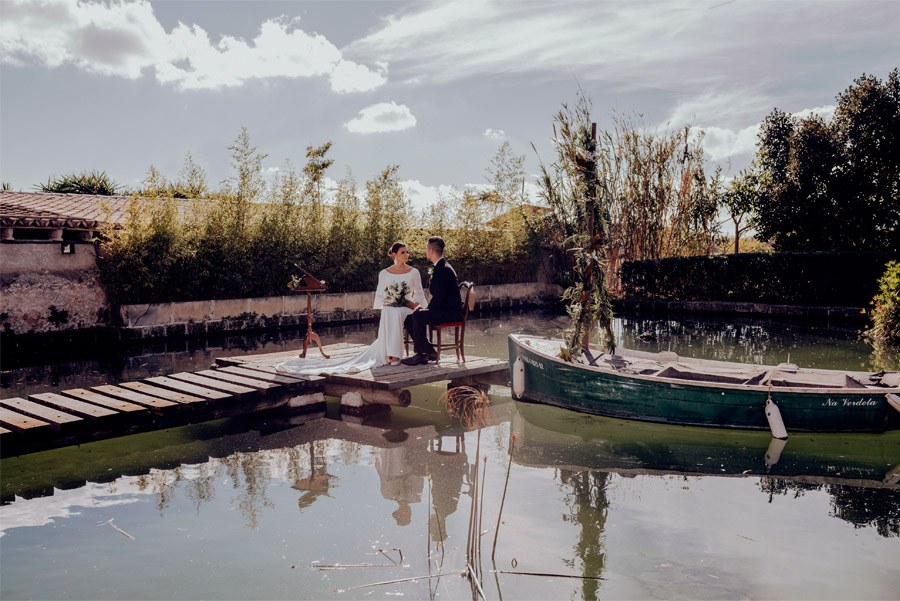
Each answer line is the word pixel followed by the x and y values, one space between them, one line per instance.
pixel 567 505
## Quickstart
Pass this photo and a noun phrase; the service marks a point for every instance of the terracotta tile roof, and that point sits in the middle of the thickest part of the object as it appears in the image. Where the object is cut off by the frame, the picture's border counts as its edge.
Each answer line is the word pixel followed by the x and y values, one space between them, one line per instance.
pixel 78 211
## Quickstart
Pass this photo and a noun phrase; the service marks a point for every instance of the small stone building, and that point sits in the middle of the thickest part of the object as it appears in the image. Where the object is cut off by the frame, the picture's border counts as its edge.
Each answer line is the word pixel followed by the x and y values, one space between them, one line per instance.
pixel 49 279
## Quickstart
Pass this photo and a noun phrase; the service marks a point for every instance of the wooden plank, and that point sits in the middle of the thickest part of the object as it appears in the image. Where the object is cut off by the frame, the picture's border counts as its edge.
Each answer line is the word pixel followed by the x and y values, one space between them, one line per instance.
pixel 275 378
pixel 393 378
pixel 236 379
pixel 173 396
pixel 21 422
pixel 57 401
pixel 135 397
pixel 269 369
pixel 192 378
pixel 186 388
pixel 4 431
pixel 104 401
pixel 56 419
pixel 341 349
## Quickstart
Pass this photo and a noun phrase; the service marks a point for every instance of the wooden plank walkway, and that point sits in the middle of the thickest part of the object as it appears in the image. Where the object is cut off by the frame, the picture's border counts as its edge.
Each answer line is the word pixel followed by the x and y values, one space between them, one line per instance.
pixel 385 377
pixel 239 385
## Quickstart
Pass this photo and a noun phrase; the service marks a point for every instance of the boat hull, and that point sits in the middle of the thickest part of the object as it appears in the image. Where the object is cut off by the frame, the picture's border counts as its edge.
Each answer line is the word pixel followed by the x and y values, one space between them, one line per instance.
pixel 552 381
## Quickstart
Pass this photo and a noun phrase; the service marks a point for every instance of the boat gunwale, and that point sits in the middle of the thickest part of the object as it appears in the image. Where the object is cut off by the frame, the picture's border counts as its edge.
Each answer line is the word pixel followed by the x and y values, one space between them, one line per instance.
pixel 817 390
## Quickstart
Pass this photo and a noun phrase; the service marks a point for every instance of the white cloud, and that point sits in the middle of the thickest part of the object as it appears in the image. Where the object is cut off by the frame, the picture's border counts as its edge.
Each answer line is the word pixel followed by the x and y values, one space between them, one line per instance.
pixel 124 39
pixel 826 112
pixel 349 77
pixel 685 49
pixel 720 108
pixel 422 196
pixel 722 143
pixel 116 39
pixel 382 117
pixel 495 134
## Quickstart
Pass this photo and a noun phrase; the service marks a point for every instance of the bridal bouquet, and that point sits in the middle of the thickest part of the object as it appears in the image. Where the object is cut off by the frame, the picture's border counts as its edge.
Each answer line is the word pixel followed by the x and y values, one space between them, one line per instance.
pixel 395 294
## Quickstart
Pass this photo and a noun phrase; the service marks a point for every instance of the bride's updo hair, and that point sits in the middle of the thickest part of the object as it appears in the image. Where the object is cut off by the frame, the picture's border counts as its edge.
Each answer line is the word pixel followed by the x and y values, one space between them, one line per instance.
pixel 395 247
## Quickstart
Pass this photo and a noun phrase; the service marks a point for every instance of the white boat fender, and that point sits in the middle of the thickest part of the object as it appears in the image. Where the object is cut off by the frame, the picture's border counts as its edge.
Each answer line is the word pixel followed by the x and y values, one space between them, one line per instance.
pixel 773 453
pixel 518 378
pixel 776 424
pixel 893 400
pixel 893 476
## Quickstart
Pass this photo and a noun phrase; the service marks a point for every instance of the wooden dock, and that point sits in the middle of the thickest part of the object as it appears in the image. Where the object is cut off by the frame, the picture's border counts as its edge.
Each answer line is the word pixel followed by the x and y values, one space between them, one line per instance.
pixel 384 385
pixel 238 385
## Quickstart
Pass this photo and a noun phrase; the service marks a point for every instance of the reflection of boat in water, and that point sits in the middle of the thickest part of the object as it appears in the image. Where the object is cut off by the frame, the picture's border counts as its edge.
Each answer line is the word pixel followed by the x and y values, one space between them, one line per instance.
pixel 662 387
pixel 547 436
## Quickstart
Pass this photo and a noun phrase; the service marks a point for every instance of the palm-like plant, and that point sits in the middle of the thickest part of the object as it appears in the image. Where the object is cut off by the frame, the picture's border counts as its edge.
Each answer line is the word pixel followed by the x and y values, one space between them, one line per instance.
pixel 86 182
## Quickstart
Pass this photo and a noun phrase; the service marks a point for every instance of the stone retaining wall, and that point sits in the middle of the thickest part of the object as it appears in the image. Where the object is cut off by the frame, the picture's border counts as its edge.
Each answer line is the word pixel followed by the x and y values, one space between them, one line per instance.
pixel 212 316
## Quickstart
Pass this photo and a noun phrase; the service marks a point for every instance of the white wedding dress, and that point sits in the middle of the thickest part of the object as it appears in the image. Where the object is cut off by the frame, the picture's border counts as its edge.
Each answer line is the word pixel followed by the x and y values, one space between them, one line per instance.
pixel 390 332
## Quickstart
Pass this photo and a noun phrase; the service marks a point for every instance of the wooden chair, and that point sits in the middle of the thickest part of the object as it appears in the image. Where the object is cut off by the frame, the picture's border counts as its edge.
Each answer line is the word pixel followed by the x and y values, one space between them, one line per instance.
pixel 459 328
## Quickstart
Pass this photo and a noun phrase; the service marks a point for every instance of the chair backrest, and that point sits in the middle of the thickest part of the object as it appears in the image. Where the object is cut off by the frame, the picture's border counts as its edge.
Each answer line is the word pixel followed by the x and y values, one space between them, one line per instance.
pixel 469 299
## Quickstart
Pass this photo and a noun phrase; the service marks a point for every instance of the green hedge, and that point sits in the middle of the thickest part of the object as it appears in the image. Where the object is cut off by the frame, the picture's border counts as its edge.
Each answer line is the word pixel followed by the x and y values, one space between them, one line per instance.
pixel 810 279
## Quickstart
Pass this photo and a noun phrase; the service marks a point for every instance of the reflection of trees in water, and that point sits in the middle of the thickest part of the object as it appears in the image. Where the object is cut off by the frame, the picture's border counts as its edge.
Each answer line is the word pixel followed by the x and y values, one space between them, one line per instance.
pixel 879 507
pixel 200 488
pixel 722 341
pixel 588 508
pixel 748 340
pixel 861 506
pixel 252 468
pixel 402 468
pixel 161 483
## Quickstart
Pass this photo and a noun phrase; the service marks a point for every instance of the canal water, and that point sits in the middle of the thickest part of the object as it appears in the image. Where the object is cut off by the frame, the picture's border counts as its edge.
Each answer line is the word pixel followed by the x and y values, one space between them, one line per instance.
pixel 324 506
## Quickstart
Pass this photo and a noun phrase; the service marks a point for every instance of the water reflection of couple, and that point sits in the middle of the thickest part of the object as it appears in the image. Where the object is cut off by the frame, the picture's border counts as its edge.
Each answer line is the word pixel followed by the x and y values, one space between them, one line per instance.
pixel 401 299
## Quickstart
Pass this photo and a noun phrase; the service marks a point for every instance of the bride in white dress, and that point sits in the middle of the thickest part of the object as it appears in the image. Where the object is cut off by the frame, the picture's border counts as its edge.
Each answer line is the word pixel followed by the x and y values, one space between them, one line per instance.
pixel 388 347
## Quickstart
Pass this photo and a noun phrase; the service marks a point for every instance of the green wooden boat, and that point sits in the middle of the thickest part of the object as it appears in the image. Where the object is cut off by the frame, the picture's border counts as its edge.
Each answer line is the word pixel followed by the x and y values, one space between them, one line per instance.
pixel 663 387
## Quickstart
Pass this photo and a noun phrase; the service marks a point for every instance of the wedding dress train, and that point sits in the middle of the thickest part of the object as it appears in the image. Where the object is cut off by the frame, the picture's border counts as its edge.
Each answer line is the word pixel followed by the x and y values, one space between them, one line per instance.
pixel 389 342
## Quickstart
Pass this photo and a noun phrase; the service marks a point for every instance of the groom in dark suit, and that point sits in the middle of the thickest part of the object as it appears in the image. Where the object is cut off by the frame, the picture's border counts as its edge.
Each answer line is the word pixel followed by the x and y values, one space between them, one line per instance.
pixel 445 304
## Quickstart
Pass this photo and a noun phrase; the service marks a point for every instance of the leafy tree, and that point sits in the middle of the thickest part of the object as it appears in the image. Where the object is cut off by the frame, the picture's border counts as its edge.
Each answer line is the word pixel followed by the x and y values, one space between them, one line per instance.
pixel 313 211
pixel 191 182
pixel 506 205
pixel 738 201
pixel 287 188
pixel 155 185
pixel 247 183
pixel 387 212
pixel 345 237
pixel 86 182
pixel 886 316
pixel 506 176
pixel 833 186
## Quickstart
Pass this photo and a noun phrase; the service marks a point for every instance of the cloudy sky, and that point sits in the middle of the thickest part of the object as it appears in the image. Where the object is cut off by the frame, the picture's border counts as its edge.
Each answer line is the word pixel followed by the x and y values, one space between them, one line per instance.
pixel 434 87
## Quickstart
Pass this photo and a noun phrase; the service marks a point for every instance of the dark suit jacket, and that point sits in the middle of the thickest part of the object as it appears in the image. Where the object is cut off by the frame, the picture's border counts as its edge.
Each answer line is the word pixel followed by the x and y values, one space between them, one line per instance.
pixel 444 288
